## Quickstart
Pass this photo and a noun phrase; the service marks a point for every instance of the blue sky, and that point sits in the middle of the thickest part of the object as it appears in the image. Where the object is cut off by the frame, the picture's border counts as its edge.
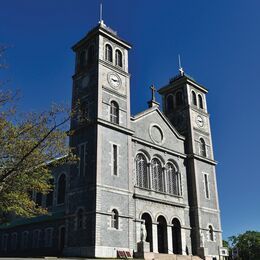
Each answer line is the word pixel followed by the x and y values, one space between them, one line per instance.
pixel 219 44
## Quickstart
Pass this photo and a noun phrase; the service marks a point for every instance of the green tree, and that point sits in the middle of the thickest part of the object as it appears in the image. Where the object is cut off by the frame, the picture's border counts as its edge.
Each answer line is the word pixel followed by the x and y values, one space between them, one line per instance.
pixel 28 143
pixel 248 245
pixel 225 243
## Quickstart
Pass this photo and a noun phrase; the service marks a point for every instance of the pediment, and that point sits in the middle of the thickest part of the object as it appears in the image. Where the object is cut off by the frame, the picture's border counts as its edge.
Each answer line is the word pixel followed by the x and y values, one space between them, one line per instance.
pixel 152 126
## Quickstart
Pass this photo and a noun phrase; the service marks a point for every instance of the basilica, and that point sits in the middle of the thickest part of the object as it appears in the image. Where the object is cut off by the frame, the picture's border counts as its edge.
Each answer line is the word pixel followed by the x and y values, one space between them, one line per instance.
pixel 144 184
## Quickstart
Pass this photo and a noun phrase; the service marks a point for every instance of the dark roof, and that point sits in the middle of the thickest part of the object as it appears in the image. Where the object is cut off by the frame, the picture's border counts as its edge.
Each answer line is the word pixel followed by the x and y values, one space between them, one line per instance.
pixel 180 78
pixel 175 78
pixel 99 28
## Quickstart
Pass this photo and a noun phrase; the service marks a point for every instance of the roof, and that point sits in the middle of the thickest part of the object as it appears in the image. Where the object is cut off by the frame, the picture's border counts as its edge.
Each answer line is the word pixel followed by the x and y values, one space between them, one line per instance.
pixel 152 109
pixel 102 28
pixel 25 221
pixel 177 80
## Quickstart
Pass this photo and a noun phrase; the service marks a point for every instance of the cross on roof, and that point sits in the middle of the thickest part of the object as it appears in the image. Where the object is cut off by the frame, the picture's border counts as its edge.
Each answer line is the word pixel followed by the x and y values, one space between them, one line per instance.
pixel 153 92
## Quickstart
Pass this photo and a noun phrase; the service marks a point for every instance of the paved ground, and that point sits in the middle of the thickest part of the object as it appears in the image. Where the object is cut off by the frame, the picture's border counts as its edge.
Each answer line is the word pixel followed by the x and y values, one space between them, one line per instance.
pixel 49 258
pixel 45 258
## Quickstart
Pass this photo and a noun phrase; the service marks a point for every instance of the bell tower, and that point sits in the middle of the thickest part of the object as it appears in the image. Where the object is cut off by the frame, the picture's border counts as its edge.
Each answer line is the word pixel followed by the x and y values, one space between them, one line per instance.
pixel 99 184
pixel 184 103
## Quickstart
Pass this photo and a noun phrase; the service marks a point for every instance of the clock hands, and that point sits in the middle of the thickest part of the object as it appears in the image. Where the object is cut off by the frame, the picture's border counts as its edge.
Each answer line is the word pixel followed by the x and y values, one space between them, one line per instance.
pixel 114 80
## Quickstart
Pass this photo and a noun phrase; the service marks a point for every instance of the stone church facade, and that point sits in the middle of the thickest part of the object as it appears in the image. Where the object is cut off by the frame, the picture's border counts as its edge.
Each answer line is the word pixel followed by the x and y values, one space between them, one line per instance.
pixel 144 183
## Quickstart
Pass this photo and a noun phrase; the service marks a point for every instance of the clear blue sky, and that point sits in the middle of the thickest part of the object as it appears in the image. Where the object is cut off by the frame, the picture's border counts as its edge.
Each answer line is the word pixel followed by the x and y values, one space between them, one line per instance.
pixel 220 46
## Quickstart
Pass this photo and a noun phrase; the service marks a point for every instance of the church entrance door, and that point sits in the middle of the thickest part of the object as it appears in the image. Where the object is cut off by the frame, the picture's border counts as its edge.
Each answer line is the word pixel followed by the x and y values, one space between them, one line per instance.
pixel 162 235
pixel 149 229
pixel 176 237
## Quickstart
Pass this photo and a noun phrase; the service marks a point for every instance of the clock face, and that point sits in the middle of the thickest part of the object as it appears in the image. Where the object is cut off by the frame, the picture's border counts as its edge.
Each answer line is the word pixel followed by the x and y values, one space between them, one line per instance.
pixel 199 121
pixel 114 80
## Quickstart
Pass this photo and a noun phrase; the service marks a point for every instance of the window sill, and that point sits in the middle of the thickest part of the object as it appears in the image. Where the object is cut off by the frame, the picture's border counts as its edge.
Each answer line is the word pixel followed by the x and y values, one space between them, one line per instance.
pixel 114 229
pixel 166 201
pixel 160 192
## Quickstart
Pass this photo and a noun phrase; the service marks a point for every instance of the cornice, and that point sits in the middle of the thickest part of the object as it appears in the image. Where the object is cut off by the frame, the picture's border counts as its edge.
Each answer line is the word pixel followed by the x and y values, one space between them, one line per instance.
pixel 114 68
pixel 158 147
pixel 166 202
pixel 203 159
pixel 119 128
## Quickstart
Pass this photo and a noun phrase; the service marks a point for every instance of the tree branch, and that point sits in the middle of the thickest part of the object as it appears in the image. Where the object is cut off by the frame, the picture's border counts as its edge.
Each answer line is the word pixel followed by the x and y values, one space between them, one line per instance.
pixel 7 174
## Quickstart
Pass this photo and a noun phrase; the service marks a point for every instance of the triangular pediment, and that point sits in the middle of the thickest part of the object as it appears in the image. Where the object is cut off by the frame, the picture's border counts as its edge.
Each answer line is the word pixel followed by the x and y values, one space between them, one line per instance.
pixel 153 126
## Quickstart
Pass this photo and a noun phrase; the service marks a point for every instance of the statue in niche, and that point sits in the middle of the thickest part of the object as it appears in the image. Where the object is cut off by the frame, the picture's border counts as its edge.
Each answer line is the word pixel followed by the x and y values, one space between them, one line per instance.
pixel 143 232
pixel 202 239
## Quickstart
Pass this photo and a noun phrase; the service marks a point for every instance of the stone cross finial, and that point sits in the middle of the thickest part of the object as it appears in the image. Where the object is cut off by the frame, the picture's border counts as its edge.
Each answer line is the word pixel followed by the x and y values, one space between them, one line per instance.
pixel 152 102
pixel 153 92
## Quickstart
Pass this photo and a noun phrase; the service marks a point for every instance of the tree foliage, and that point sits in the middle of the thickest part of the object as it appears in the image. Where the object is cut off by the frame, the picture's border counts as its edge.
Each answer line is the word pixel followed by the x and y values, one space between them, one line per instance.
pixel 30 144
pixel 248 245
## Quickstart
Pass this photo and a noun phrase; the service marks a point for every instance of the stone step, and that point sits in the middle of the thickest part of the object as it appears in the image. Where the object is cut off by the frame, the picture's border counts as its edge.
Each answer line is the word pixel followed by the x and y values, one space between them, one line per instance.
pixel 157 256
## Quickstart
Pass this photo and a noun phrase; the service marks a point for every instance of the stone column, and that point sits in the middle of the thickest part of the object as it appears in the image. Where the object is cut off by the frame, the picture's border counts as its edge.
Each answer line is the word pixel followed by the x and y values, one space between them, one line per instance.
pixel 169 238
pixel 164 180
pixel 155 237
pixel 150 175
pixel 183 241
pixel 138 223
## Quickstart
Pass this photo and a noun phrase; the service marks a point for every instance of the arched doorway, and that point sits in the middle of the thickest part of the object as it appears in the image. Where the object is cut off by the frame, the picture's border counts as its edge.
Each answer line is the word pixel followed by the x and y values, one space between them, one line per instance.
pixel 176 237
pixel 162 235
pixel 149 229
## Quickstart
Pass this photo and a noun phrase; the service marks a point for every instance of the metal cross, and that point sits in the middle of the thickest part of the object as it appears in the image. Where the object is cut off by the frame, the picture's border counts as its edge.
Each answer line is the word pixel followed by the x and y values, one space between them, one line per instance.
pixel 153 92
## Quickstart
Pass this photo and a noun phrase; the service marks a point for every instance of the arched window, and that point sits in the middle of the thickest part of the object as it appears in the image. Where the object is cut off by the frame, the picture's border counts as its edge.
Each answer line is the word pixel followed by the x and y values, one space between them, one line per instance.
pixel 114 219
pixel 24 242
pixel 90 54
pixel 114 112
pixel 82 59
pixel 80 218
pixel 36 238
pixel 211 233
pixel 194 98
pixel 169 103
pixel 157 175
pixel 141 171
pixel 49 196
pixel 61 189
pixel 202 147
pixel 172 179
pixel 108 53
pixel 200 102
pixel 14 241
pixel 179 98
pixel 119 61
pixel 38 199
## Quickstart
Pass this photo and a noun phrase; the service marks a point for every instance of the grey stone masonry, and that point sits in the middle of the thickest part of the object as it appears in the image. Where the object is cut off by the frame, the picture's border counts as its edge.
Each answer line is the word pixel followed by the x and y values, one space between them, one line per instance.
pixel 145 185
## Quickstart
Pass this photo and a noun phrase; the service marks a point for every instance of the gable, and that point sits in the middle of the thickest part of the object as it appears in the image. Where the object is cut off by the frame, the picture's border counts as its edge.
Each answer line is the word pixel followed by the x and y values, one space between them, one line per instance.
pixel 153 127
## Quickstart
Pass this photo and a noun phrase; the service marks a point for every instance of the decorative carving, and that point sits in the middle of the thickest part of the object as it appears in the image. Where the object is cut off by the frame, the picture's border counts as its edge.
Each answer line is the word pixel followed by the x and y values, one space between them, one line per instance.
pixel 156 134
